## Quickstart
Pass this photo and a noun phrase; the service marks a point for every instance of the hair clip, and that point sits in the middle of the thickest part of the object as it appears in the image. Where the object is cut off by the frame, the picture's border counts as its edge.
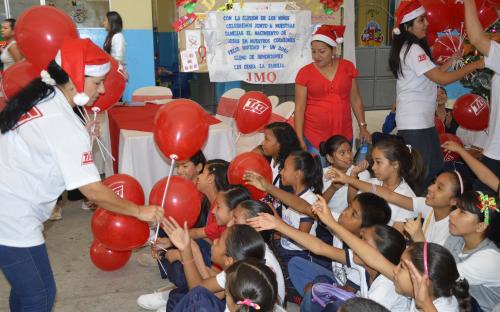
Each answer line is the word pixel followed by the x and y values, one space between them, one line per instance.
pixel 486 203
pixel 249 303
pixel 460 180
pixel 409 147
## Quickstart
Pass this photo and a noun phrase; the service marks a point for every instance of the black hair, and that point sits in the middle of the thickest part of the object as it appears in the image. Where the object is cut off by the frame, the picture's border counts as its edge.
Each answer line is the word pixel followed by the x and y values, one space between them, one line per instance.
pixel 444 90
pixel 470 202
pixel 411 165
pixel 198 158
pixel 287 139
pixel 218 168
pixel 375 209
pixel 398 43
pixel 252 209
pixel 443 272
pixel 11 21
pixel 390 242
pixel 311 168
pixel 243 242
pixel 252 280
pixel 330 146
pixel 235 194
pixel 358 304
pixel 28 97
pixel 115 26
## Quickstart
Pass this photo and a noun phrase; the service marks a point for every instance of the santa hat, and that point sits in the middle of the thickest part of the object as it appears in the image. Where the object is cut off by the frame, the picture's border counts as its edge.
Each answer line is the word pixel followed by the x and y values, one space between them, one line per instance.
pixel 407 11
pixel 80 58
pixel 329 34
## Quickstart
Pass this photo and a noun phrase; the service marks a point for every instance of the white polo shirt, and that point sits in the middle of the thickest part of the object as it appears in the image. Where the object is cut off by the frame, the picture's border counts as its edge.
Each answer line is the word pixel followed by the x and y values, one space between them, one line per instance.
pixel 492 61
pixel 415 93
pixel 48 152
pixel 434 231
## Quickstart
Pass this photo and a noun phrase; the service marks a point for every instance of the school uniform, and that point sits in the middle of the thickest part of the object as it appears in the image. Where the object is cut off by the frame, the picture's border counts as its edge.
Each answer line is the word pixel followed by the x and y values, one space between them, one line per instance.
pixel 434 231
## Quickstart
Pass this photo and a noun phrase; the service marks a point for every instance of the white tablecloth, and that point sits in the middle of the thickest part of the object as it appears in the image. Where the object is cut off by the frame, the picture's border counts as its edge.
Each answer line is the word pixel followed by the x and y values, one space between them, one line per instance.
pixel 140 157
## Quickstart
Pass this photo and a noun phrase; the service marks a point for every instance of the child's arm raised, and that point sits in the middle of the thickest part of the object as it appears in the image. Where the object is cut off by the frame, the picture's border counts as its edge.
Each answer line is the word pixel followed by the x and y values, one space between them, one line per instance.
pixel 290 200
pixel 370 256
pixel 474 29
pixel 390 196
pixel 266 221
pixel 197 233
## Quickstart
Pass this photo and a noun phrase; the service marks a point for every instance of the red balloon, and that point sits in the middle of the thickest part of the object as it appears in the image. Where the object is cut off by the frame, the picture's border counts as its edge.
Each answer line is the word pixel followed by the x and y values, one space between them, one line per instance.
pixel 448 155
pixel 439 125
pixel 107 259
pixel 441 14
pixel 117 231
pixel 253 112
pixel 40 31
pixel 182 201
pixel 17 77
pixel 249 161
pixel 431 37
pixel 471 112
pixel 487 13
pixel 444 47
pixel 114 85
pixel 180 129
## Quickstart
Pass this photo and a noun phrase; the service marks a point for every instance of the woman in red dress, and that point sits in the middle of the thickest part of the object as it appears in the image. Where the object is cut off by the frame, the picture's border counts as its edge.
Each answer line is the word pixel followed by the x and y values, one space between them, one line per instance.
pixel 325 92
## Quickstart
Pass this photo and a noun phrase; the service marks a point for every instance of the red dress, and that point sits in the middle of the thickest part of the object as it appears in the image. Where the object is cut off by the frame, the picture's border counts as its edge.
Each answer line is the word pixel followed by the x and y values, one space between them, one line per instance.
pixel 328 106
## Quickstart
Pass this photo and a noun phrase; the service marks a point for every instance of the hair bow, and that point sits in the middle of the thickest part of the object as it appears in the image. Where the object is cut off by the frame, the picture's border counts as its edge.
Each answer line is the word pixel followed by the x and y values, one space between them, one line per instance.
pixel 486 203
pixel 248 302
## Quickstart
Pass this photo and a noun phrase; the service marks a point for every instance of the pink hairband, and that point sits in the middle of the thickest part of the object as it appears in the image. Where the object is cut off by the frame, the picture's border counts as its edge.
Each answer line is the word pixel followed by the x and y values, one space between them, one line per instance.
pixel 426 267
pixel 249 303
pixel 461 181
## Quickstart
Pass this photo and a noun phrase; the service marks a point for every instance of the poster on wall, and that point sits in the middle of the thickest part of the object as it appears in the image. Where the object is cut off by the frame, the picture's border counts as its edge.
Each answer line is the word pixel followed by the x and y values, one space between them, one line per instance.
pixel 372 23
pixel 257 47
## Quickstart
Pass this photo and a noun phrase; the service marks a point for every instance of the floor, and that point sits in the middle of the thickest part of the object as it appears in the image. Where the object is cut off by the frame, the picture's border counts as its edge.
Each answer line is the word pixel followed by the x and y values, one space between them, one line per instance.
pixel 80 285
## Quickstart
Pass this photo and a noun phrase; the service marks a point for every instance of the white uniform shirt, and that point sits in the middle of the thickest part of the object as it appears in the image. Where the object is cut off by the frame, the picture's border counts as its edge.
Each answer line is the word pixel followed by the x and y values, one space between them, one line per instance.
pixel 434 231
pixel 398 214
pixel 293 219
pixel 442 304
pixel 6 57
pixel 273 264
pixel 47 152
pixel 338 202
pixel 341 271
pixel 118 46
pixel 382 290
pixel 492 61
pixel 416 94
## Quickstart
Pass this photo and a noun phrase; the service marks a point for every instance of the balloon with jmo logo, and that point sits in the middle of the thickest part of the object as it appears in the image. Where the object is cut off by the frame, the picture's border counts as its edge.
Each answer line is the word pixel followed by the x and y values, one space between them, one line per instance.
pixel 253 112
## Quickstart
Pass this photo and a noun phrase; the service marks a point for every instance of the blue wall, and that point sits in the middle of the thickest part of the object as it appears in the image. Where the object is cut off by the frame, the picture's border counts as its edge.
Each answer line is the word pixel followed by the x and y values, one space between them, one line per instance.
pixel 139 56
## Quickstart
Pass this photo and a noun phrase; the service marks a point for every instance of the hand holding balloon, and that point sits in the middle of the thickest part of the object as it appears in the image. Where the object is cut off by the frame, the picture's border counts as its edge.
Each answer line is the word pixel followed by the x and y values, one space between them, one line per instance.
pixel 256 180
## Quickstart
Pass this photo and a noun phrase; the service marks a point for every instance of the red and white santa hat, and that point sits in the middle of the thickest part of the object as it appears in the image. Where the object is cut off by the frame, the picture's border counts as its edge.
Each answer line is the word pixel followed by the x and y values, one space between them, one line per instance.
pixel 329 34
pixel 80 58
pixel 407 11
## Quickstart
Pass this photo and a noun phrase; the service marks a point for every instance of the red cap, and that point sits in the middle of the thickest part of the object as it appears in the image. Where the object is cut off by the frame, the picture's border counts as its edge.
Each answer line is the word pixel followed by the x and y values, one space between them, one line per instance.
pixel 407 11
pixel 329 34
pixel 80 58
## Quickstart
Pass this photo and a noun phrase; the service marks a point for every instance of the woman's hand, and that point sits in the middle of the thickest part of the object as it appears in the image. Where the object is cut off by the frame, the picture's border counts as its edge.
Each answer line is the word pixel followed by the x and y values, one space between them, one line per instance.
pixel 422 289
pixel 364 135
pixel 256 180
pixel 479 64
pixel 453 147
pixel 263 222
pixel 178 236
pixel 321 209
pixel 150 214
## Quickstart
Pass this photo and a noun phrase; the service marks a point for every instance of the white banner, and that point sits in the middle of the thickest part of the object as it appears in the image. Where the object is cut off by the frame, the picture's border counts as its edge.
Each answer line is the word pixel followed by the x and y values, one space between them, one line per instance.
pixel 257 47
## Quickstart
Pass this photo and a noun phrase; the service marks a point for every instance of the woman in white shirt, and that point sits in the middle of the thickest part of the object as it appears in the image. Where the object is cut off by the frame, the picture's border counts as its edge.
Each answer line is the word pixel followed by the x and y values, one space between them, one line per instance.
pixel 10 53
pixel 417 78
pixel 115 41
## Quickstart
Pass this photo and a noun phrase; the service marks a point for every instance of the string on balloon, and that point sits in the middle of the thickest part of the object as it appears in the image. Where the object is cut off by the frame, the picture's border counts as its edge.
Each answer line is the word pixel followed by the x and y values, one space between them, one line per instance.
pixel 85 118
pixel 173 157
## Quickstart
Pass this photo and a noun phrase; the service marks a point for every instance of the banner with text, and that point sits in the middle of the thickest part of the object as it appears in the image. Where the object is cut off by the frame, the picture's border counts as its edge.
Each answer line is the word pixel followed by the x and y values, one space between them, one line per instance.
pixel 257 47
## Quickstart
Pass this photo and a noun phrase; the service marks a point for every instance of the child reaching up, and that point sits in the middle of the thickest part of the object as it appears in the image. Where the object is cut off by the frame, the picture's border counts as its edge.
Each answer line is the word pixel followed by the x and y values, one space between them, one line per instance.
pixel 448 291
pixel 435 208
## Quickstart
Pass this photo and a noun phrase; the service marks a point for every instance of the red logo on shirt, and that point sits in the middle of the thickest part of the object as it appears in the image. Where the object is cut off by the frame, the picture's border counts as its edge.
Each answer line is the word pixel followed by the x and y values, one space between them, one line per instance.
pixel 87 158
pixel 33 113
pixel 255 106
pixel 422 57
